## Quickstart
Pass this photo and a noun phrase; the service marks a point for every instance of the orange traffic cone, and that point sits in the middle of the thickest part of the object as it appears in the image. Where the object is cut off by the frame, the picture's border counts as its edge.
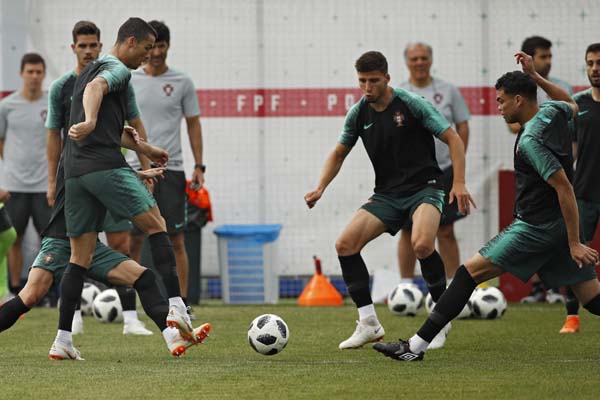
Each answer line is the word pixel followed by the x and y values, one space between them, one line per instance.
pixel 319 291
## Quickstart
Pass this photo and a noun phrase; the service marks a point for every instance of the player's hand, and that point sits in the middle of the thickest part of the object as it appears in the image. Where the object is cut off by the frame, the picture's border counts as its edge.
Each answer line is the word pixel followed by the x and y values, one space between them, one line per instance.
pixel 130 130
pixel 311 198
pixel 151 174
pixel 461 195
pixel 583 255
pixel 197 179
pixel 4 195
pixel 156 155
pixel 81 130
pixel 51 194
pixel 526 62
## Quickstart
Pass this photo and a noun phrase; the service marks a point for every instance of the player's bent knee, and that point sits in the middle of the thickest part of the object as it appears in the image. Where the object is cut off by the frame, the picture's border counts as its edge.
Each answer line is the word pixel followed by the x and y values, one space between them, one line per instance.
pixel 422 249
pixel 31 295
pixel 344 247
pixel 446 232
pixel 125 273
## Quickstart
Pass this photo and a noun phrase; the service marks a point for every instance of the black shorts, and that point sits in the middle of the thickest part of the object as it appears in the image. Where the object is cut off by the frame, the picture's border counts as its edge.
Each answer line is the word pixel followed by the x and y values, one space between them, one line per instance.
pixel 450 214
pixel 4 220
pixel 22 206
pixel 171 198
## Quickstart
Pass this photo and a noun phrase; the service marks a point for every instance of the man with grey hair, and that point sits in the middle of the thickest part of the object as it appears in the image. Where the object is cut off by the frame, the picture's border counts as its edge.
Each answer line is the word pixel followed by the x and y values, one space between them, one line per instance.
pixel 446 98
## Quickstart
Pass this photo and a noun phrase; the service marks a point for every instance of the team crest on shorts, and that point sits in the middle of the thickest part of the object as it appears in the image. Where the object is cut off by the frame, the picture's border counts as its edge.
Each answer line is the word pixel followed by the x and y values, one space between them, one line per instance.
pixel 399 119
pixel 48 258
pixel 168 89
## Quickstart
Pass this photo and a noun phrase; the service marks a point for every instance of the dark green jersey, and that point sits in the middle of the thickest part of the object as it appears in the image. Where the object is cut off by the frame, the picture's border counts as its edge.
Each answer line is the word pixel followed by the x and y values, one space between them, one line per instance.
pixel 101 149
pixel 587 136
pixel 398 140
pixel 542 148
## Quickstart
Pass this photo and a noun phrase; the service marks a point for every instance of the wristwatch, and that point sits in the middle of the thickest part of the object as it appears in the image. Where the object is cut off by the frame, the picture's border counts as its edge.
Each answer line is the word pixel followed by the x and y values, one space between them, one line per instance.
pixel 200 167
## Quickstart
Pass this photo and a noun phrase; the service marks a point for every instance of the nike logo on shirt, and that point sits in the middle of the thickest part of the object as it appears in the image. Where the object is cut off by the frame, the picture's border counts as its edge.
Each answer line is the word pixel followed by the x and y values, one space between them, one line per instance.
pixel 365 127
pixel 580 113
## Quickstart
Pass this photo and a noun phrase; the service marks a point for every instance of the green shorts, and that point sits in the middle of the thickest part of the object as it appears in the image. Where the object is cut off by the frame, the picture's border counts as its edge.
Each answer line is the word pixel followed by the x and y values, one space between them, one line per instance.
pixel 88 197
pixel 112 225
pixel 524 249
pixel 589 213
pixel 397 211
pixel 55 253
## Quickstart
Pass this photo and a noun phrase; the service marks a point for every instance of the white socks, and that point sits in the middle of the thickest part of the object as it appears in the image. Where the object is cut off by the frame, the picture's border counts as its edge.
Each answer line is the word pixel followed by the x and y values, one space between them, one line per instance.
pixel 178 303
pixel 367 311
pixel 129 316
pixel 64 337
pixel 417 344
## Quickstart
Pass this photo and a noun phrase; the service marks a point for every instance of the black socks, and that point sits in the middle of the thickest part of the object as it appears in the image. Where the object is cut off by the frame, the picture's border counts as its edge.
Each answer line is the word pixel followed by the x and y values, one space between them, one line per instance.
pixel 434 274
pixel 356 277
pixel 11 311
pixel 450 304
pixel 154 303
pixel 164 262
pixel 70 293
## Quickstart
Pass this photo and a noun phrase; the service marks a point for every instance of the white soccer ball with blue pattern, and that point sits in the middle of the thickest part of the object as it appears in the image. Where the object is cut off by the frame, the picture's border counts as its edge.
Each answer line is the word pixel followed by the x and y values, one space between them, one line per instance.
pixel 107 306
pixel 405 299
pixel 268 334
pixel 488 303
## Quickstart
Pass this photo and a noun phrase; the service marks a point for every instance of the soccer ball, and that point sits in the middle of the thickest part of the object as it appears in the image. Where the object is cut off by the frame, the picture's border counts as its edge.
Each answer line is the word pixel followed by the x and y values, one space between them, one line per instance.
pixel 488 303
pixel 88 294
pixel 107 306
pixel 405 299
pixel 268 334
pixel 466 312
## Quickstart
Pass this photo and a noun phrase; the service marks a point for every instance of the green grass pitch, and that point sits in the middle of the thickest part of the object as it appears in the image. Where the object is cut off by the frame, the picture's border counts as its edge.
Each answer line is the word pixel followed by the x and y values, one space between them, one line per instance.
pixel 520 356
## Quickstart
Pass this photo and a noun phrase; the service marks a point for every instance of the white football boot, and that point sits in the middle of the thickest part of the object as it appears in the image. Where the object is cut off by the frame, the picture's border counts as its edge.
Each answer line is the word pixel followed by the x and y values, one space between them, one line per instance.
pixel 59 351
pixel 362 335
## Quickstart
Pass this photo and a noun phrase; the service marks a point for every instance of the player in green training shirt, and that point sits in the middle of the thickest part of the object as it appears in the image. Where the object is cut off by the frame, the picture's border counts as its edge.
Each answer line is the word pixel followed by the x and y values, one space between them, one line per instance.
pixel 544 237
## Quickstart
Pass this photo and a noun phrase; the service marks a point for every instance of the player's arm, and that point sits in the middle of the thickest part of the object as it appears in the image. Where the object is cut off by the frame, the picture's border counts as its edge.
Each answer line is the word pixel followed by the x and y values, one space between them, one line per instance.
pixel 580 253
pixel 554 91
pixel 332 166
pixel 459 190
pixel 194 128
pixel 53 150
pixel 131 140
pixel 92 99
pixel 138 125
pixel 462 128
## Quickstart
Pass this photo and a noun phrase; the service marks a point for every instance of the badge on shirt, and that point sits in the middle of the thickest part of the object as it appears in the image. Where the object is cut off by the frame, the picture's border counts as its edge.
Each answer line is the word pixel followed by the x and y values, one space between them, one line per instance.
pixel 44 114
pixel 168 89
pixel 399 119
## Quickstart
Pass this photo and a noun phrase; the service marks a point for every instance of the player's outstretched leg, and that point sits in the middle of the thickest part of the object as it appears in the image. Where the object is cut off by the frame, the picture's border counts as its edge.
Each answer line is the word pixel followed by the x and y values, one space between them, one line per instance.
pixel 448 307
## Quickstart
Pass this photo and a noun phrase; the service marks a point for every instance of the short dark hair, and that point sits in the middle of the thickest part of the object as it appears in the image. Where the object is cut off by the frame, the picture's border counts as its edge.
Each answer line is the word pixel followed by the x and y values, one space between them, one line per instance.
pixel 371 61
pixel 163 34
pixel 85 28
pixel 592 48
pixel 136 27
pixel 518 82
pixel 535 42
pixel 32 58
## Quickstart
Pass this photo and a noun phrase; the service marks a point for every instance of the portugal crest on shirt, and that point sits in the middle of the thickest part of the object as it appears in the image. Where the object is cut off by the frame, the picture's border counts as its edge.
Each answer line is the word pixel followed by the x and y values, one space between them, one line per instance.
pixel 399 119
pixel 168 89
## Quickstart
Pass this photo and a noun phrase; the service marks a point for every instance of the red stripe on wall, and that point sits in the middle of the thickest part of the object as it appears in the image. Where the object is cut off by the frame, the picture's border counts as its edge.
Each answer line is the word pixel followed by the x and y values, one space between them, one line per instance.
pixel 309 102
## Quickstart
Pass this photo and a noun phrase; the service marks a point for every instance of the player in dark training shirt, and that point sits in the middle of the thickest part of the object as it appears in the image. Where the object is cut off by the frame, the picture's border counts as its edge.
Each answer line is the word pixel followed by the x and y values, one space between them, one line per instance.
pixel 544 237
pixel 586 149
pixel 87 47
pixel 97 178
pixel 397 129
